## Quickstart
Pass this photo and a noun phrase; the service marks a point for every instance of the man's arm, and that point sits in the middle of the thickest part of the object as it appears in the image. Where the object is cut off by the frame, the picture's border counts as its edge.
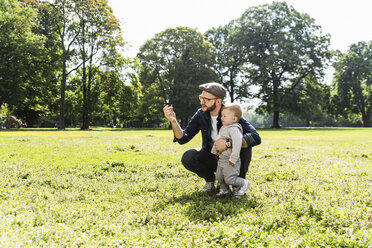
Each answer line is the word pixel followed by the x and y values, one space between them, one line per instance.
pixel 250 137
pixel 171 116
pixel 182 136
pixel 221 146
pixel 250 134
pixel 214 151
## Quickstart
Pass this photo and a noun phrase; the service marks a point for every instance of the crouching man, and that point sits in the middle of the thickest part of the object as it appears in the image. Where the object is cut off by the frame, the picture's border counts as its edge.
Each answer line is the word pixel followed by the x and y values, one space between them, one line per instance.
pixel 207 119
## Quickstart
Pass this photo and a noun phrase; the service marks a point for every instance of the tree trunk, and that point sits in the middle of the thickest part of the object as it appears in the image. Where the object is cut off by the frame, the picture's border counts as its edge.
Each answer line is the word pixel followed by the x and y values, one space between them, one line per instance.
pixel 89 86
pixel 87 107
pixel 231 96
pixel 276 105
pixel 276 120
pixel 231 89
pixel 85 125
pixel 61 125
pixel 366 117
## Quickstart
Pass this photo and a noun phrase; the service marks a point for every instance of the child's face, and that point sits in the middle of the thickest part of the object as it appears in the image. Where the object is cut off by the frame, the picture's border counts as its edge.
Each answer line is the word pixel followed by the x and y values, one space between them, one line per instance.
pixel 228 117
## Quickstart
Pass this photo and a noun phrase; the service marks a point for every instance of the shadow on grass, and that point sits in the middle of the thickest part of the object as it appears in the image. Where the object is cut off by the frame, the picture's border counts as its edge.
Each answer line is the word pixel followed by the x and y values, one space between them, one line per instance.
pixel 202 206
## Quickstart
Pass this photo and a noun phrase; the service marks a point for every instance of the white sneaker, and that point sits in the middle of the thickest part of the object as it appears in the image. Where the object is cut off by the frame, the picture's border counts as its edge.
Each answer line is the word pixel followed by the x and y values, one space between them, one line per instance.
pixel 223 192
pixel 235 192
pixel 209 186
pixel 243 189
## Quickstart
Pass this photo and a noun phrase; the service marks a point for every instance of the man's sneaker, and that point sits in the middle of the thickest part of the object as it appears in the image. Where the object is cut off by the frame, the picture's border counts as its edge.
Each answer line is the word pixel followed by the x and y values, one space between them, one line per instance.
pixel 243 188
pixel 209 186
pixel 223 192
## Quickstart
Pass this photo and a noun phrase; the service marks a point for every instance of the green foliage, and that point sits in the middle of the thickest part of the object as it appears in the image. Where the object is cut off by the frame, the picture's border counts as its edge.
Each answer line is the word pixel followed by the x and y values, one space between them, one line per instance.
pixel 353 82
pixel 73 107
pixel 283 48
pixel 66 28
pixel 130 95
pixel 127 188
pixel 174 63
pixel 117 97
pixel 230 58
pixel 307 101
pixel 22 53
pixel 98 39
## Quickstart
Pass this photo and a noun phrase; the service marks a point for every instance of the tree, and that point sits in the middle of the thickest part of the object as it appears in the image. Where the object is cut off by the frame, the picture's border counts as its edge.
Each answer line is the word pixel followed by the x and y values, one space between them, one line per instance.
pixel 66 28
pixel 130 94
pixel 98 39
pixel 283 47
pixel 27 56
pixel 41 86
pixel 229 59
pixel 117 97
pixel 353 81
pixel 307 101
pixel 19 50
pixel 173 64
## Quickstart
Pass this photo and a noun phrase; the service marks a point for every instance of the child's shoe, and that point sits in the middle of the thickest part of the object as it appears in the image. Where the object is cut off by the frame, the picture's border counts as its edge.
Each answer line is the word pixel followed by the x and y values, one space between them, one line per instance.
pixel 242 190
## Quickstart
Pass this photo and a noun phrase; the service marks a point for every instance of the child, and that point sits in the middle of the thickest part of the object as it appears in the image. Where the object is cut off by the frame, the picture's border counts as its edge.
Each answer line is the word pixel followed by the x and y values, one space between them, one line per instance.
pixel 229 161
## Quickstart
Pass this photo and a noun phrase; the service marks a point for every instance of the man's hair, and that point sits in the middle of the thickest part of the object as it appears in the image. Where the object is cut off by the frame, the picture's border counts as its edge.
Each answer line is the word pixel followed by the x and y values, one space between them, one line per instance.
pixel 235 108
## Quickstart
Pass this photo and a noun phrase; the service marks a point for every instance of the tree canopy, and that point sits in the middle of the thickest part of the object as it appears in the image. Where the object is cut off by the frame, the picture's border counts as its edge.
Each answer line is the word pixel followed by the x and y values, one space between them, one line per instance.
pixel 21 51
pixel 283 47
pixel 230 58
pixel 353 81
pixel 174 63
pixel 63 61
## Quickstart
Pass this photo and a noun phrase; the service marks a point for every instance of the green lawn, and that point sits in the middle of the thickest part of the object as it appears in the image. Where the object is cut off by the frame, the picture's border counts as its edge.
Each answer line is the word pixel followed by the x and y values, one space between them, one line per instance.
pixel 127 188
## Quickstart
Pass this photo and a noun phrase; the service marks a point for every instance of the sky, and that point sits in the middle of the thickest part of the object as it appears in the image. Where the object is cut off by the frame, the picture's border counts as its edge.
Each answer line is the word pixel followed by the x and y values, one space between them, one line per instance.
pixel 347 21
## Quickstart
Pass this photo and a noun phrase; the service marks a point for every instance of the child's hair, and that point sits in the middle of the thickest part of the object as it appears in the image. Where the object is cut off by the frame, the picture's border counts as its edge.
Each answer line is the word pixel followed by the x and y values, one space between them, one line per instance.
pixel 235 108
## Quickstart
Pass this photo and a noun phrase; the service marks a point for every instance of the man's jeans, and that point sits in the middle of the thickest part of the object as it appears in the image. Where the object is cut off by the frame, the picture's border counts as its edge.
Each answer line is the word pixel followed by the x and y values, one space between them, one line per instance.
pixel 204 164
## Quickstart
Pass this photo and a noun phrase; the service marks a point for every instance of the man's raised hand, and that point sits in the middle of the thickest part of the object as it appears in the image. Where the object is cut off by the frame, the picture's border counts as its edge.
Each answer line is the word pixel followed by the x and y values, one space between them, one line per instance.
pixel 169 113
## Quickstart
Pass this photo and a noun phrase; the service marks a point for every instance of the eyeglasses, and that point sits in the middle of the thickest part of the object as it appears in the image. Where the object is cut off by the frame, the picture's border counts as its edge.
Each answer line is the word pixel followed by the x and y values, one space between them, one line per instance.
pixel 205 99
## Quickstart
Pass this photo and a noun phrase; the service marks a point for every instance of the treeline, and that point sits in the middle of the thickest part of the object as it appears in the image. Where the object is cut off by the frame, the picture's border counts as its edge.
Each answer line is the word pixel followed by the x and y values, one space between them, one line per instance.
pixel 62 63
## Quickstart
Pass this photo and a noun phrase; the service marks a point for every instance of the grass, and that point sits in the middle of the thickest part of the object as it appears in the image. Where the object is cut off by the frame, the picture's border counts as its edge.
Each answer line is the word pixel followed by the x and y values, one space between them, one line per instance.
pixel 127 188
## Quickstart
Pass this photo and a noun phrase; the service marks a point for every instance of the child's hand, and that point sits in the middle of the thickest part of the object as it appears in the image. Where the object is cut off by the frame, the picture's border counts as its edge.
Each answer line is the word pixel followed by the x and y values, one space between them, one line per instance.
pixel 232 164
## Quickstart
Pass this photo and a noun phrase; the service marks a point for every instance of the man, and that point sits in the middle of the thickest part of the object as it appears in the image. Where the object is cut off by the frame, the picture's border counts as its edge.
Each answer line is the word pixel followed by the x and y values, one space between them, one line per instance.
pixel 208 120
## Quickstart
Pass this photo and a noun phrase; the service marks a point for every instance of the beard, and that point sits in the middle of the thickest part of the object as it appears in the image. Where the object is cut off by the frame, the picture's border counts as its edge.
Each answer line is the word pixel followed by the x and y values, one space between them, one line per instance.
pixel 211 108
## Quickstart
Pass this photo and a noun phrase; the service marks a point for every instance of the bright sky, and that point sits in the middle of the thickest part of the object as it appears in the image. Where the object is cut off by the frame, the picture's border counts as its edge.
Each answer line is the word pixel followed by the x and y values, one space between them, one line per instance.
pixel 348 21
